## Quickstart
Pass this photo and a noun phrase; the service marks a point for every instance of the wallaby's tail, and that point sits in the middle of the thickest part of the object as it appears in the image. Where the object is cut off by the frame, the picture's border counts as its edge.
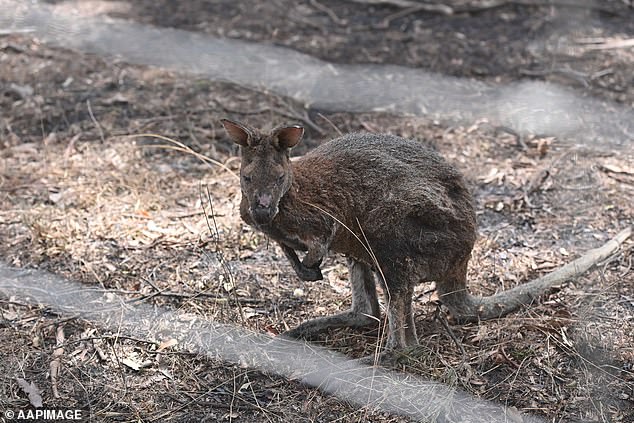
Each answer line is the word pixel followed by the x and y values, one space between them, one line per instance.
pixel 483 308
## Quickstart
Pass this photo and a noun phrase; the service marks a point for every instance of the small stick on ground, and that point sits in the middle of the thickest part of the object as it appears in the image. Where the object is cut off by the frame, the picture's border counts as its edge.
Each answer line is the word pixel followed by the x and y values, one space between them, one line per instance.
pixel 331 124
pixel 56 364
pixel 333 16
pixel 223 263
pixel 290 112
pixel 94 120
pixel 437 8
pixel 439 315
pixel 490 4
pixel 411 5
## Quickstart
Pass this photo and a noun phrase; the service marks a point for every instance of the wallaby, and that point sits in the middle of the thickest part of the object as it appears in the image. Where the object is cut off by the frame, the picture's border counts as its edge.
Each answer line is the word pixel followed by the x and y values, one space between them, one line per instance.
pixel 394 207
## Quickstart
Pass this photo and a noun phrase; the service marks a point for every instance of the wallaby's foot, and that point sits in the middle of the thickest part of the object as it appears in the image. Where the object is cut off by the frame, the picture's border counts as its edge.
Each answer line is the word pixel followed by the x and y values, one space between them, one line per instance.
pixel 310 329
pixel 386 358
pixel 409 356
pixel 401 327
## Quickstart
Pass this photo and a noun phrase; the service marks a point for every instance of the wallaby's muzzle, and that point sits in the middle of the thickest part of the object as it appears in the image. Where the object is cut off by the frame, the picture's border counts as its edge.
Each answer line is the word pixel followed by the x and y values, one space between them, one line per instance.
pixel 263 215
pixel 263 208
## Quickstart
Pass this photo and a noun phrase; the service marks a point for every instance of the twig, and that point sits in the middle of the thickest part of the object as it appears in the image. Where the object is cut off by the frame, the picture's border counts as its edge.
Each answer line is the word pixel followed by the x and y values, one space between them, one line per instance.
pixel 487 5
pixel 511 131
pixel 508 359
pixel 288 112
pixel 13 47
pixel 601 73
pixel 610 44
pixel 92 117
pixel 576 4
pixel 507 301
pixel 569 73
pixel 61 321
pixel 70 147
pixel 437 8
pixel 388 295
pixel 330 123
pixel 443 320
pixel 179 146
pixel 246 112
pixel 223 263
pixel 292 113
pixel 165 293
pixel 56 363
pixel 214 297
pixel 410 4
pixel 333 16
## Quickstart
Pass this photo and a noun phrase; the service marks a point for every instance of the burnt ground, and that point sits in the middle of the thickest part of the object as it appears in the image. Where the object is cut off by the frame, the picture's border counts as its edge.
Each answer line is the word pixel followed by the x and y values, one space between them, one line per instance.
pixel 82 199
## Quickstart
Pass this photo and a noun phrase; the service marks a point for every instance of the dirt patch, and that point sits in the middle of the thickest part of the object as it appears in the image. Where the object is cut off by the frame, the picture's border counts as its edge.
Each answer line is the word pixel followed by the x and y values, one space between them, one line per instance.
pixel 500 44
pixel 80 198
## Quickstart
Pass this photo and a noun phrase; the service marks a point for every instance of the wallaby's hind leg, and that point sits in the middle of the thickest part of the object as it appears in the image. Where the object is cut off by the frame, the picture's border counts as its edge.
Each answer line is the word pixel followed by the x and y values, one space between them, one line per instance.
pixel 365 306
pixel 401 329
pixel 410 328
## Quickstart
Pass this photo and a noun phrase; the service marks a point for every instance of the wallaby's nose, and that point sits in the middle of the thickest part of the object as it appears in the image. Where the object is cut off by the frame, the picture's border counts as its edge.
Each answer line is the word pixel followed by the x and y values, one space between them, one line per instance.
pixel 264 201
pixel 263 210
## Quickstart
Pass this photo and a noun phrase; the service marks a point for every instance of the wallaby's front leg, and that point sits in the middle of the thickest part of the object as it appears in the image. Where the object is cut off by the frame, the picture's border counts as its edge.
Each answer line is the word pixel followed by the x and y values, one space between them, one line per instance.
pixel 304 272
pixel 365 306
pixel 315 256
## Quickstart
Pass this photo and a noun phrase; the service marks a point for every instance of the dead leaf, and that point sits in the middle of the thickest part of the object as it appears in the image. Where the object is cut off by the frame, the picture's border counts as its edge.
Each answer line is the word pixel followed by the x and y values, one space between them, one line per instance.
pixel 494 175
pixel 31 391
pixel 133 364
pixel 610 168
pixel 167 344
pixel 54 196
pixel 143 213
pixel 249 312
pixel 117 99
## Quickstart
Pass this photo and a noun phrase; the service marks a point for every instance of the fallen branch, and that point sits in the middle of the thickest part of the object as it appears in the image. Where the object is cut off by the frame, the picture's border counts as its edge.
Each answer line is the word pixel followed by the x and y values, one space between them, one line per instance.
pixel 406 4
pixel 56 364
pixel 481 6
pixel 610 44
pixel 333 16
pixel 576 4
pixel 572 74
pixel 505 302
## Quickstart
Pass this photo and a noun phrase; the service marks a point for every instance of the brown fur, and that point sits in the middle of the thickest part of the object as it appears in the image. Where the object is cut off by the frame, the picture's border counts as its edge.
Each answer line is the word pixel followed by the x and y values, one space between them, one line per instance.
pixel 395 208
pixel 391 205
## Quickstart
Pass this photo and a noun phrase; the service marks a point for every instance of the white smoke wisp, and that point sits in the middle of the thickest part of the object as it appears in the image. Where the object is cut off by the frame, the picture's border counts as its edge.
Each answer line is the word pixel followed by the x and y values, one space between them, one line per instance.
pixel 328 371
pixel 528 107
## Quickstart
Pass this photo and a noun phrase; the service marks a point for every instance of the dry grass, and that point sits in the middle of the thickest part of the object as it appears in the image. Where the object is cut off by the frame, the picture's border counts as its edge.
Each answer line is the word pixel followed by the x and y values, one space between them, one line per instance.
pixel 129 217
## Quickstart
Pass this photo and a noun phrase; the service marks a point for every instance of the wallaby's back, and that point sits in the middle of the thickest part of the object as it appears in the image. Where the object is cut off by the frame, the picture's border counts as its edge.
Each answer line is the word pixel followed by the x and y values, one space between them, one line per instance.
pixel 408 200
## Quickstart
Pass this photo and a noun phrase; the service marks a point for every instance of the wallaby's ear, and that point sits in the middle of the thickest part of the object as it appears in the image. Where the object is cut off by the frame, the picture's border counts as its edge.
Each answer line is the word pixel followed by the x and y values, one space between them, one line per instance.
pixel 289 136
pixel 237 132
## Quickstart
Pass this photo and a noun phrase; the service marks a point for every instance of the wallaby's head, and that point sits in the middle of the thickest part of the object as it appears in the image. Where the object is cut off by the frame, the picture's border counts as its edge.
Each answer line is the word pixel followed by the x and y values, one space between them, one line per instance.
pixel 265 173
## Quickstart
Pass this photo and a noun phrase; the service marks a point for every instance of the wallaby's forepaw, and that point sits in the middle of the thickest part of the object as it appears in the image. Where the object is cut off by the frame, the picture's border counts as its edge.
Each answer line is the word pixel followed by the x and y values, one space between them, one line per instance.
pixel 309 273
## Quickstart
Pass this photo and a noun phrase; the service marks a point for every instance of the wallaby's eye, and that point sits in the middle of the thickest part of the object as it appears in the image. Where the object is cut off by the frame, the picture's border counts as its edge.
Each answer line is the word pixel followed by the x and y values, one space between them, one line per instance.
pixel 280 179
pixel 246 178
